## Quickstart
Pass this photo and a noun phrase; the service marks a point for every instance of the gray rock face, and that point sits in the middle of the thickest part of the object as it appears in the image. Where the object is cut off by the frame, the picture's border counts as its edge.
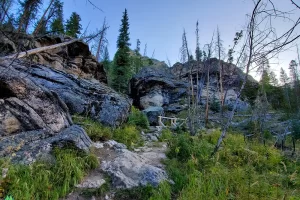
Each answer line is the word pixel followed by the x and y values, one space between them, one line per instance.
pixel 26 147
pixel 80 95
pixel 156 87
pixel 128 169
pixel 152 114
pixel 34 109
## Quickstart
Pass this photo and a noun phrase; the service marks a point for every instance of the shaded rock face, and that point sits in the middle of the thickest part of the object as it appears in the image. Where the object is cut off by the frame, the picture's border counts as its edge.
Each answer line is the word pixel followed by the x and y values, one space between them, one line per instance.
pixel 32 117
pixel 80 96
pixel 156 87
pixel 152 114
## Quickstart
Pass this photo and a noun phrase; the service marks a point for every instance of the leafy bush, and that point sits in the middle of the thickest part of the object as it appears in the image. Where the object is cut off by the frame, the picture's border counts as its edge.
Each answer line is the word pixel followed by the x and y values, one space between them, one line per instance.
pixel 138 118
pixel 128 135
pixel 166 135
pixel 95 130
pixel 43 180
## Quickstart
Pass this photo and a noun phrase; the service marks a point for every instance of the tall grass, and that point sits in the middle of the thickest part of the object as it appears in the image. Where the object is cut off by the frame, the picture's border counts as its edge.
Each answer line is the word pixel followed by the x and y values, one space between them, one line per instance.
pixel 238 171
pixel 127 134
pixel 44 180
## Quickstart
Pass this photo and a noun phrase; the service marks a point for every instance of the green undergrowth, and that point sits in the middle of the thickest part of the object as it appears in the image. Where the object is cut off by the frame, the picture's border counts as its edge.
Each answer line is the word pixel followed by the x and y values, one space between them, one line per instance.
pixel 239 170
pixel 47 180
pixel 161 192
pixel 127 134
pixel 138 119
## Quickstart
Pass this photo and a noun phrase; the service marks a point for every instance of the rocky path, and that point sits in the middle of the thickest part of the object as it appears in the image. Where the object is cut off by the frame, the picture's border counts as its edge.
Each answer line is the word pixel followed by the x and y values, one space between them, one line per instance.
pixel 124 168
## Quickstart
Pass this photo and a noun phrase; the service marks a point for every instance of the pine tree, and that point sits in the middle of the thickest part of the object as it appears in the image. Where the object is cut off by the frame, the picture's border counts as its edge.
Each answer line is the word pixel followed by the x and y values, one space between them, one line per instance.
pixel 106 60
pixel 29 9
pixel 136 59
pixel 57 26
pixel 294 74
pixel 285 80
pixel 138 47
pixel 198 52
pixel 73 26
pixel 121 70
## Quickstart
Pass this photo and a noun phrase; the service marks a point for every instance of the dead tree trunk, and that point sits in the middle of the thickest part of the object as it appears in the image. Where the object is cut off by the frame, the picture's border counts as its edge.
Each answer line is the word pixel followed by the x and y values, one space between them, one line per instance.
pixel 260 45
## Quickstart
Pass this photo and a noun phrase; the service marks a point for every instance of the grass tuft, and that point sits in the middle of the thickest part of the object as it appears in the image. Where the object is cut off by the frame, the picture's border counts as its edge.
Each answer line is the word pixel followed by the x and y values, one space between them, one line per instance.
pixel 42 180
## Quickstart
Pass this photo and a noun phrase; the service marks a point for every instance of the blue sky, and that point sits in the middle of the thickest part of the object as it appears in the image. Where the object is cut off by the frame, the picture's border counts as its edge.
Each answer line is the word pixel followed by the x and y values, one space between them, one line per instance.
pixel 160 23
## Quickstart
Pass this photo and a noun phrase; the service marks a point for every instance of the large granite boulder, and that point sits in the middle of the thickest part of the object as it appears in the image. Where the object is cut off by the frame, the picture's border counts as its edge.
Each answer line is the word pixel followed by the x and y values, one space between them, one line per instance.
pixel 156 87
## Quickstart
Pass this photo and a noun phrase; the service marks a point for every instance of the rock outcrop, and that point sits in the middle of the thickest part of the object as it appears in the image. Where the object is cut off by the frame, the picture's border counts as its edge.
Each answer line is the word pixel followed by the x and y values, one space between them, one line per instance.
pixel 156 87
pixel 152 114
pixel 32 117
pixel 129 169
pixel 74 58
pixel 35 101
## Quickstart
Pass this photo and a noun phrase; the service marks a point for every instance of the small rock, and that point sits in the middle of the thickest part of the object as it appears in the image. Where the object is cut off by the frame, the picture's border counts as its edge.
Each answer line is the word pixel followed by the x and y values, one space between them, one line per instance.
pixel 98 145
pixel 4 172
pixel 154 138
pixel 91 184
pixel 115 145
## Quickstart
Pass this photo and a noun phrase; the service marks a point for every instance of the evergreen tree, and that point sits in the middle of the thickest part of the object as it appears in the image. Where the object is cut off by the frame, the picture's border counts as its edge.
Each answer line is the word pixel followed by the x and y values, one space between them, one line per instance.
pixel 136 59
pixel 284 79
pixel 198 52
pixel 121 70
pixel 138 47
pixel 294 74
pixel 57 26
pixel 106 60
pixel 73 26
pixel 29 9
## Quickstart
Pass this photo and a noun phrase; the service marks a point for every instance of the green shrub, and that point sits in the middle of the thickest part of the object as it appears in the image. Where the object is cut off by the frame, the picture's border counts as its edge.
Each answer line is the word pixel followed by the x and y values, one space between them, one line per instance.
pixel 166 135
pixel 138 118
pixel 44 181
pixel 95 130
pixel 137 193
pixel 128 135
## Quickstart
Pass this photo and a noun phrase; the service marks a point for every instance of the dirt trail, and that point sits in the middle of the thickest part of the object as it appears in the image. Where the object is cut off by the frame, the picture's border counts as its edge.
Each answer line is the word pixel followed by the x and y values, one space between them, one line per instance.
pixel 153 152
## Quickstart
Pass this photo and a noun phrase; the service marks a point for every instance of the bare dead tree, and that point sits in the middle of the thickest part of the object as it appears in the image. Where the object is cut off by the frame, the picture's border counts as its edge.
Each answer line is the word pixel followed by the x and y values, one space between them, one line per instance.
pixel 261 42
pixel 101 40
pixel 219 49
pixel 207 64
